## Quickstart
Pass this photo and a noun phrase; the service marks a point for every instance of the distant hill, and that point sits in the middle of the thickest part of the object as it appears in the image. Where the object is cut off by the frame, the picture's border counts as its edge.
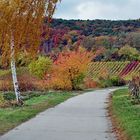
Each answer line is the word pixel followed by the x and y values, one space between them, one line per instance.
pixel 108 40
pixel 97 27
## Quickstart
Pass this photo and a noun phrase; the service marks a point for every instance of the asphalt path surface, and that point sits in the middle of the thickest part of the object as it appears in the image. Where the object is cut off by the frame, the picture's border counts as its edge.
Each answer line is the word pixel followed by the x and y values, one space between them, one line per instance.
pixel 83 117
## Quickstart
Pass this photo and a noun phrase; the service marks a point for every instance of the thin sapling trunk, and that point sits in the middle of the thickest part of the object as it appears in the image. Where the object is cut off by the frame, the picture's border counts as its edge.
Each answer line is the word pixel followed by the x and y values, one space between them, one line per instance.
pixel 14 74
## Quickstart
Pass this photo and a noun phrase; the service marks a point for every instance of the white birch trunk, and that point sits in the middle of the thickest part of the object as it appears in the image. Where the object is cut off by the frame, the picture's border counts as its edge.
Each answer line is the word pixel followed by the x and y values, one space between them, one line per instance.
pixel 13 69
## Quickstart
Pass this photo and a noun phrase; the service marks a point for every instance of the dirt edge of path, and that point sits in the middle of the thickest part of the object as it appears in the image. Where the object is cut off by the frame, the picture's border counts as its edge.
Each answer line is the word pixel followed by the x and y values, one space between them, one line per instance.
pixel 116 128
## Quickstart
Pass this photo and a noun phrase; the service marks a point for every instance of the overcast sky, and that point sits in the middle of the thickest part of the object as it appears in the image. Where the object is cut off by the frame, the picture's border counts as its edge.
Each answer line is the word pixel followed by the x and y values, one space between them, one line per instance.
pixel 98 9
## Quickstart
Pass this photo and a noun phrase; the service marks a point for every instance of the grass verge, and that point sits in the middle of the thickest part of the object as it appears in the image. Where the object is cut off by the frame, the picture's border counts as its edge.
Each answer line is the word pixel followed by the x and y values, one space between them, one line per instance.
pixel 11 117
pixel 125 116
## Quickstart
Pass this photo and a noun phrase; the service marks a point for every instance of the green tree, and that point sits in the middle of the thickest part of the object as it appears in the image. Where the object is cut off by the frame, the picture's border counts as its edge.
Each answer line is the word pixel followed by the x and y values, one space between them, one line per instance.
pixel 128 53
pixel 134 40
pixel 40 66
pixel 88 43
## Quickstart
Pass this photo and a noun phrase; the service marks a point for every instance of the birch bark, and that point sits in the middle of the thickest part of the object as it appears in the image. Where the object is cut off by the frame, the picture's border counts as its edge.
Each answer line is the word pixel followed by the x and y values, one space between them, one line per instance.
pixel 14 74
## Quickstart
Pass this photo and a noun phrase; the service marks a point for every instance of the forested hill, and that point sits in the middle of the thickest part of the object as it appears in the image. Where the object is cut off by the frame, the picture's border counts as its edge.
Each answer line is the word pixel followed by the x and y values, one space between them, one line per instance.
pixel 109 40
pixel 97 27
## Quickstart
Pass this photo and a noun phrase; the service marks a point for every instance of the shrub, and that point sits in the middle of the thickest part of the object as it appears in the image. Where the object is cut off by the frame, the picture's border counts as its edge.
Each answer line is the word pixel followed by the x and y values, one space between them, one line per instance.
pixel 2 101
pixel 70 70
pixel 23 60
pixel 9 96
pixel 42 85
pixel 117 81
pixel 128 53
pixel 111 81
pixel 26 81
pixel 61 83
pixel 40 66
pixel 6 82
pixel 89 83
pixel 78 81
pixel 134 89
pixel 104 82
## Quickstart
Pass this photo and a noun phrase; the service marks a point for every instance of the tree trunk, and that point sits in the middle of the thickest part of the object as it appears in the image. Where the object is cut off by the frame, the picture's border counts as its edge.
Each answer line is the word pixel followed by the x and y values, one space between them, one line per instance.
pixel 14 74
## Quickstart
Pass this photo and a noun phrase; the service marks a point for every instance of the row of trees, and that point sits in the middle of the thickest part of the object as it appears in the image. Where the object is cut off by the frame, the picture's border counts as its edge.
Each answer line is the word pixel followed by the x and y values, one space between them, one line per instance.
pixel 97 27
pixel 105 47
pixel 69 35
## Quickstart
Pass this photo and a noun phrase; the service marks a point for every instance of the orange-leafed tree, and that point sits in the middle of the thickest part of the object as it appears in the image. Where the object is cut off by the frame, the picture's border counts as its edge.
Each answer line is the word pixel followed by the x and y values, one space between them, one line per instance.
pixel 70 69
pixel 20 29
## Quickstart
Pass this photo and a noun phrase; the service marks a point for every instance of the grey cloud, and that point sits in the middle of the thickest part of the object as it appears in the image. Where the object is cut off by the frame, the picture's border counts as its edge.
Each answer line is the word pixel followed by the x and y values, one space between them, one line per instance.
pixel 98 9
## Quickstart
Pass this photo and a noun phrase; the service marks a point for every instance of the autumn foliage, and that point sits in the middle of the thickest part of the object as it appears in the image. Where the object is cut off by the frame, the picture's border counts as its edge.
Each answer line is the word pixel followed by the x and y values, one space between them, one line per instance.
pixel 69 70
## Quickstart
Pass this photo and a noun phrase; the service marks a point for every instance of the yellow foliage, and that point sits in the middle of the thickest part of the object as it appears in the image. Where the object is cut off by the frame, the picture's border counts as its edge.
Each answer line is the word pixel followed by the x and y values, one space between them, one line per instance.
pixel 70 69
pixel 22 20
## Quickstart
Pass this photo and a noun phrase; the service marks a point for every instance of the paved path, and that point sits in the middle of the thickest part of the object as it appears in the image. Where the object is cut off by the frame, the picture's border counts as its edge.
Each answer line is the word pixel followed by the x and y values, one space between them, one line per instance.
pixel 80 118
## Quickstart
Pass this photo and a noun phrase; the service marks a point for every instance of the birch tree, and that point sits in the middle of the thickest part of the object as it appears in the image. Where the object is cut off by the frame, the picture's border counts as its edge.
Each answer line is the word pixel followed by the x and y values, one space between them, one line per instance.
pixel 20 30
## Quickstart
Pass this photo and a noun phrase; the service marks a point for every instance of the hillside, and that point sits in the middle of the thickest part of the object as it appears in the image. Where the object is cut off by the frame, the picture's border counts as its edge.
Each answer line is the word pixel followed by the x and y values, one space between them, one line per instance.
pixel 107 39
pixel 97 27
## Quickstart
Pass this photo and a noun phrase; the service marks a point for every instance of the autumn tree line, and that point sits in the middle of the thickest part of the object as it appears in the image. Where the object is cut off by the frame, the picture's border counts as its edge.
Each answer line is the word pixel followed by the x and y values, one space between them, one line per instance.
pixel 115 41
pixel 108 40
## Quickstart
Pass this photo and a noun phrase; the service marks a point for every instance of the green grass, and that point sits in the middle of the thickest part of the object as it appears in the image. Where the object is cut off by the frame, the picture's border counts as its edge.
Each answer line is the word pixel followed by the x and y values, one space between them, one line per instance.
pixel 127 114
pixel 11 117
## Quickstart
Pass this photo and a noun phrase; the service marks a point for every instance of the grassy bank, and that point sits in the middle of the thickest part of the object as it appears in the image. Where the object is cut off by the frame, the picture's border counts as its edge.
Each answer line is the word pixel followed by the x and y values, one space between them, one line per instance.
pixel 11 117
pixel 125 115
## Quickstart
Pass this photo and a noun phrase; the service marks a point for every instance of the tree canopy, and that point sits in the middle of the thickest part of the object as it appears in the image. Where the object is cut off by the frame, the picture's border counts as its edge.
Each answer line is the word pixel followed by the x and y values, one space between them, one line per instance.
pixel 23 19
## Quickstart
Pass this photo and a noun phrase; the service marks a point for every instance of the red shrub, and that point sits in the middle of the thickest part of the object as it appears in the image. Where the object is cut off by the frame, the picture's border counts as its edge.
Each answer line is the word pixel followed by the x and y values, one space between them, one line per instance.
pixel 89 83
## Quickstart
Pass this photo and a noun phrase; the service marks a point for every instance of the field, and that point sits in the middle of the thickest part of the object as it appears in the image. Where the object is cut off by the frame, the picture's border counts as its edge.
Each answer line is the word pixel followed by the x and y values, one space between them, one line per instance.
pixel 126 115
pixel 125 70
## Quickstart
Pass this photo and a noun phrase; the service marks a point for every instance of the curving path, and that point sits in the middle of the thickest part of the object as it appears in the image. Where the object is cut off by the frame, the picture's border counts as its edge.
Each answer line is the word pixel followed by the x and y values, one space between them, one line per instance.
pixel 83 117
